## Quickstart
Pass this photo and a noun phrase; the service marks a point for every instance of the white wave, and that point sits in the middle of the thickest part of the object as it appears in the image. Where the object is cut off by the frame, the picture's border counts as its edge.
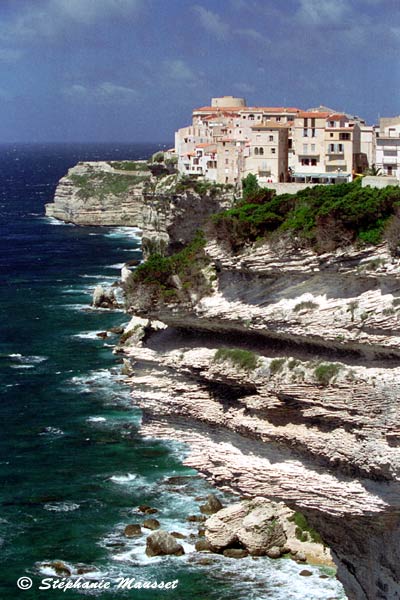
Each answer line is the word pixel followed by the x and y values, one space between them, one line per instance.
pixel 22 366
pixel 52 431
pixel 88 335
pixel 98 276
pixel 125 232
pixel 35 359
pixel 61 506
pixel 116 266
pixel 54 221
pixel 96 419
pixel 123 479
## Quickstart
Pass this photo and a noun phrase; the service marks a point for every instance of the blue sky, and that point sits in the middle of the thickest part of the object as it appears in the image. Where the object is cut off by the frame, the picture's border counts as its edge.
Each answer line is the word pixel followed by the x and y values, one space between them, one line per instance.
pixel 132 70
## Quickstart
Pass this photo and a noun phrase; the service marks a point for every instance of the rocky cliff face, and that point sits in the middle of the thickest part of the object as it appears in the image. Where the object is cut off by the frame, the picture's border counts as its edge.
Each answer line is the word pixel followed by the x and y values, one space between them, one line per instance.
pixel 303 405
pixel 96 193
pixel 144 196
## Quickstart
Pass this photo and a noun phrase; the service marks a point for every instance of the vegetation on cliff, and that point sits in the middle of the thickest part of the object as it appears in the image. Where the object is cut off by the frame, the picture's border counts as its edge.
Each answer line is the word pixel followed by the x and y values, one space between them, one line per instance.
pixel 100 184
pixel 242 359
pixel 323 217
pixel 172 278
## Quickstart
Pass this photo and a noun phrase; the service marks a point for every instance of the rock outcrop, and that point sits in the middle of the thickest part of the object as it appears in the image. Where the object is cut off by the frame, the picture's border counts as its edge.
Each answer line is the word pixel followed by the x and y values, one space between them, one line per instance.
pixel 95 193
pixel 305 409
pixel 161 543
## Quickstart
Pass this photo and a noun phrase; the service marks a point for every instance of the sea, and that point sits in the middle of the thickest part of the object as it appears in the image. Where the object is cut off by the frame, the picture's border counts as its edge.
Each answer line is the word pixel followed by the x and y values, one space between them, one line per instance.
pixel 73 466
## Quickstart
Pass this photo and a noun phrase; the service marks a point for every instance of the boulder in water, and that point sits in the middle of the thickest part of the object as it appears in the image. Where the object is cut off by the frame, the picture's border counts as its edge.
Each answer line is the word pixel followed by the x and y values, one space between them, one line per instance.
pixel 162 543
pixel 104 297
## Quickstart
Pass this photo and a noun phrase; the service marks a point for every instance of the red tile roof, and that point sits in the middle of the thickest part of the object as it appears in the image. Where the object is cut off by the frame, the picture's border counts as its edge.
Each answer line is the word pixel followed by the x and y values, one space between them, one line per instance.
pixel 313 115
pixel 337 117
pixel 247 109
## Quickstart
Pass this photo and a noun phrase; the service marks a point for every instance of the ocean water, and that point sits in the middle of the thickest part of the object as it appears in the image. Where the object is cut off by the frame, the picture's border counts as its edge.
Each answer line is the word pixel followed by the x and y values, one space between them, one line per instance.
pixel 73 466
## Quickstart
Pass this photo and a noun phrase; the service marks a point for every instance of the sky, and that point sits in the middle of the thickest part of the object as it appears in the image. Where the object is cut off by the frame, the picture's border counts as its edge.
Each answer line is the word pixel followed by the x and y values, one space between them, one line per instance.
pixel 133 70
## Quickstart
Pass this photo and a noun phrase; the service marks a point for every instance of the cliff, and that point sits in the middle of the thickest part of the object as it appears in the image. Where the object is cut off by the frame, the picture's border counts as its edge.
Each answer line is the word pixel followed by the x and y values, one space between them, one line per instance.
pixel 97 193
pixel 139 194
pixel 280 369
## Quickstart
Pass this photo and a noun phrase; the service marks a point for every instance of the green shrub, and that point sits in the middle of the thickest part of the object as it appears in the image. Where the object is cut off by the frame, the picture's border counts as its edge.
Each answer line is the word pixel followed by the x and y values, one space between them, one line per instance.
pixel 324 217
pixel 303 531
pixel 128 165
pixel 243 359
pixel 249 185
pixel 158 157
pixel 276 365
pixel 324 372
pixel 187 264
pixel 307 304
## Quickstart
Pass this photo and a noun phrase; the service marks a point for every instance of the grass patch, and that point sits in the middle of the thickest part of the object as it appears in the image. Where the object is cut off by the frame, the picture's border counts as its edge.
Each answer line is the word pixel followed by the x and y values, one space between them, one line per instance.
pixel 243 359
pixel 306 305
pixel 276 365
pixel 323 217
pixel 101 184
pixel 324 372
pixel 128 165
pixel 303 531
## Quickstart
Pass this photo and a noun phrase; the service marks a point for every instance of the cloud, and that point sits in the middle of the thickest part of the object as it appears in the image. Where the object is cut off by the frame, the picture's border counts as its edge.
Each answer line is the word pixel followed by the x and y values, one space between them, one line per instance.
pixel 212 22
pixel 102 93
pixel 88 11
pixel 251 35
pixel 179 71
pixel 48 18
pixel 323 12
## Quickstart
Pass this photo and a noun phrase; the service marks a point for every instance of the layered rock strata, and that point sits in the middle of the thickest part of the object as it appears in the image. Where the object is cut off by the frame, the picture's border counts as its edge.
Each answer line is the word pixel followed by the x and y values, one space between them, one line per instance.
pixel 310 415
pixel 94 193
pixel 167 212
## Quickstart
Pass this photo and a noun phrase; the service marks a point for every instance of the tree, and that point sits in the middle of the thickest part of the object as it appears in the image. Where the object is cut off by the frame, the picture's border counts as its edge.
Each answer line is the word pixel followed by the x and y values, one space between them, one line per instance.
pixel 250 185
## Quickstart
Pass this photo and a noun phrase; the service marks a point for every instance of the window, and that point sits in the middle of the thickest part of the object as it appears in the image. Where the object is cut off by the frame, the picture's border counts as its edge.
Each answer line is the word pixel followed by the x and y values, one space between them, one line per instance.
pixel 312 132
pixel 305 123
pixel 271 138
pixel 344 136
pixel 251 117
pixel 278 119
pixel 313 162
pixel 261 150
pixel 273 151
pixel 312 147
pixel 331 134
pixel 305 148
pixel 305 162
pixel 256 151
pixel 313 122
pixel 227 161
pixel 305 132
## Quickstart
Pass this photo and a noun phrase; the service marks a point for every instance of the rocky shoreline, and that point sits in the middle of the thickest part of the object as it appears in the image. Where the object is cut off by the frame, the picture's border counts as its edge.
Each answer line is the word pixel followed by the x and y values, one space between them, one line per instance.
pixel 281 375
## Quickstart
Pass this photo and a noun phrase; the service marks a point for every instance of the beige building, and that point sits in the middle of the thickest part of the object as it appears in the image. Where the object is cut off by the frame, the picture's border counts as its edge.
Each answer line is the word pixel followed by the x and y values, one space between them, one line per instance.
pixel 228 140
pixel 326 148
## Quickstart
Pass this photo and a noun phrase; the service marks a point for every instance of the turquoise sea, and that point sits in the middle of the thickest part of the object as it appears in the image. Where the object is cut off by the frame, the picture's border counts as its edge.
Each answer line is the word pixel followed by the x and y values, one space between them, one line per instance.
pixel 73 466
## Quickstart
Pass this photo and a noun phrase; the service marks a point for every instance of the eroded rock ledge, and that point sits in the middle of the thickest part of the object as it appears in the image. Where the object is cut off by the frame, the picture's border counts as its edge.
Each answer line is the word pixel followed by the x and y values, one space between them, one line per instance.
pixel 315 422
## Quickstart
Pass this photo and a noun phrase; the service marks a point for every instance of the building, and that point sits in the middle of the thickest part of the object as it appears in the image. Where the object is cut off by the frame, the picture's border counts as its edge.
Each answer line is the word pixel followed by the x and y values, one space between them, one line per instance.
pixel 228 140
pixel 388 147
pixel 326 148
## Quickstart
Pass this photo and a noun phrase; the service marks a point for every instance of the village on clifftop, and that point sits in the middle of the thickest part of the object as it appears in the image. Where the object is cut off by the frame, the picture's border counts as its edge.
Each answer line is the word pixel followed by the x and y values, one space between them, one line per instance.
pixel 228 140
